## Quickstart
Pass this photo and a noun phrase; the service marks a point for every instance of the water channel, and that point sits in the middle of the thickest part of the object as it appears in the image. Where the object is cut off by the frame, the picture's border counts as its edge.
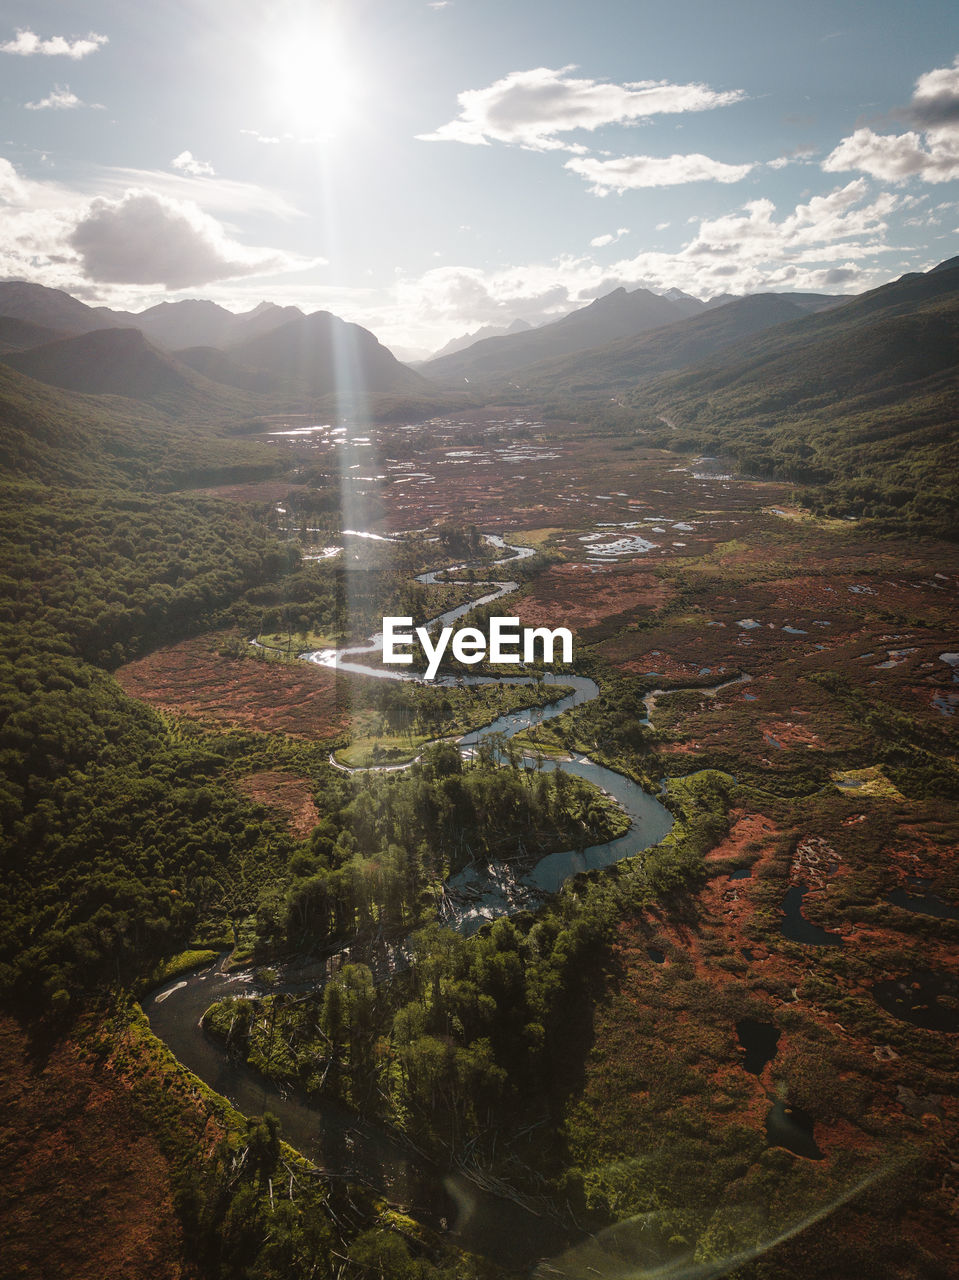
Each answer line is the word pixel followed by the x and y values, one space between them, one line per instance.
pixel 339 1142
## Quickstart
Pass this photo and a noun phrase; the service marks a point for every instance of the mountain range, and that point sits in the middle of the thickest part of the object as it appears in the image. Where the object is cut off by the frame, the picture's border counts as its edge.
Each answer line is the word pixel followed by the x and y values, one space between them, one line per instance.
pixel 194 351
pixel 620 316
pixel 195 357
pixel 861 402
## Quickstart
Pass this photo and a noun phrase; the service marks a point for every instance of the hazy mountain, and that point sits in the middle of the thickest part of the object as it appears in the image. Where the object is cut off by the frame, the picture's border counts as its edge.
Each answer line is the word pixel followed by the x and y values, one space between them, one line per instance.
pixel 20 335
pixel 320 355
pixel 220 367
pixel 804 301
pixel 619 314
pixel 192 322
pixel 626 362
pixel 122 362
pixel 889 337
pixel 264 317
pixel 413 356
pixel 54 309
pixel 677 295
pixel 196 322
pixel 488 331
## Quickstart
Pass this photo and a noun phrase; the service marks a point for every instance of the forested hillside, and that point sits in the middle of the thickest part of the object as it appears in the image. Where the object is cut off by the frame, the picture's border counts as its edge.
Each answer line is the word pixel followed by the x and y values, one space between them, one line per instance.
pixel 861 402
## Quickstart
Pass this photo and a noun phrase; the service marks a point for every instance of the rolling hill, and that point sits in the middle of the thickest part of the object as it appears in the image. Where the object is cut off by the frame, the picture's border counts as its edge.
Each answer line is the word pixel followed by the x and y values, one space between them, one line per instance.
pixel 20 335
pixel 216 365
pixel 56 437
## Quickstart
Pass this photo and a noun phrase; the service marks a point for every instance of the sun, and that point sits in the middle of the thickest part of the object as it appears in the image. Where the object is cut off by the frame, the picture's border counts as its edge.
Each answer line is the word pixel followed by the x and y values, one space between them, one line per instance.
pixel 316 87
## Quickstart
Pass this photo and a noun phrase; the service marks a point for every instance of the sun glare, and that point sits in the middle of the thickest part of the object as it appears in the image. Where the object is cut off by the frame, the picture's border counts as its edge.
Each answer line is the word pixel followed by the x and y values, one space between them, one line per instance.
pixel 315 86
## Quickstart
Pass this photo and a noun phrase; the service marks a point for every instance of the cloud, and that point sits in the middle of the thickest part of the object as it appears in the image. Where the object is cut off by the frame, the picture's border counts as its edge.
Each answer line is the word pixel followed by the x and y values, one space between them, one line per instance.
pixel 266 139
pixel 272 140
pixel 186 162
pixel 827 243
pixel 27 43
pixel 13 190
pixel 146 238
pixel 60 98
pixel 531 108
pixel 929 152
pixel 58 236
pixel 935 100
pixel 600 242
pixel 628 173
pixel 896 157
pixel 222 195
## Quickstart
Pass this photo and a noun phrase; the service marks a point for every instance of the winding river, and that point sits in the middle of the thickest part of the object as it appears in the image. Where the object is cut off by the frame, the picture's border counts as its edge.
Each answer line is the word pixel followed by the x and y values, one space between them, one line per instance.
pixel 338 1141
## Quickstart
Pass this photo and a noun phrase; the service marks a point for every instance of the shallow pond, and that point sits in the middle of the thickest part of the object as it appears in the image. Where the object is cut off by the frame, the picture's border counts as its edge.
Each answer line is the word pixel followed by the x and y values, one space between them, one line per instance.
pixel 925 997
pixel 797 928
pixel 759 1040
pixel 792 1128
pixel 916 898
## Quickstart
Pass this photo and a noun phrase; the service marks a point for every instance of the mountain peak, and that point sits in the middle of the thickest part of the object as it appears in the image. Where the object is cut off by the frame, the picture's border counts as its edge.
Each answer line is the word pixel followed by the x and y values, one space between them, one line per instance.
pixel 950 264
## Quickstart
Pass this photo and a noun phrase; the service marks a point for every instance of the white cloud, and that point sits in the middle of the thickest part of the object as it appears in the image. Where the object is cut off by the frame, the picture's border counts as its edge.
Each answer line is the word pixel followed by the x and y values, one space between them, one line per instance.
pixel 929 152
pixel 36 219
pixel 661 226
pixel 186 162
pixel 28 43
pixel 896 157
pixel 532 108
pixel 600 242
pixel 13 190
pixel 60 98
pixel 629 173
pixel 146 238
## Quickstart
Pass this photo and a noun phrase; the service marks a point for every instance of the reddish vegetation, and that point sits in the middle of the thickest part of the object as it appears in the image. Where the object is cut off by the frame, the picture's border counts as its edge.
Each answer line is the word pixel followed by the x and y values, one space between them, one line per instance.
pixel 192 678
pixel 574 595
pixel 88 1192
pixel 286 793
pixel 744 829
pixel 657 662
pixel 788 734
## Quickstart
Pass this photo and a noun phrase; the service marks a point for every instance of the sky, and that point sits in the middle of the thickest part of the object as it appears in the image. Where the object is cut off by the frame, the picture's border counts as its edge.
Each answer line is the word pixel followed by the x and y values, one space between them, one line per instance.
pixel 427 167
